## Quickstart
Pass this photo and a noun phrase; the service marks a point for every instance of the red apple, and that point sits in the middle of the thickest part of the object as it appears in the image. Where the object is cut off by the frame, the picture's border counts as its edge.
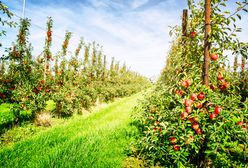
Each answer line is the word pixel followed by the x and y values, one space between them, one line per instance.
pixel 224 86
pixel 188 102
pixel 184 115
pixel 198 105
pixel 213 87
pixel 217 110
pixel 220 77
pixel 188 81
pixel 198 131
pixel 39 88
pixel 49 33
pixel 214 57
pixel 212 116
pixel 173 140
pixel 191 120
pixel 179 92
pixel 193 96
pixel 188 109
pixel 184 84
pixel 193 34
pixel 195 125
pixel 243 66
pixel 196 119
pixel 190 139
pixel 201 96
pixel 176 147
pixel 156 123
pixel 240 123
pixel 42 81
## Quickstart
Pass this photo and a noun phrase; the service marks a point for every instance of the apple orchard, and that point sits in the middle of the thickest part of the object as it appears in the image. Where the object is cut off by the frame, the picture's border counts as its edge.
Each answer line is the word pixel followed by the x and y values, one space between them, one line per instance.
pixel 197 115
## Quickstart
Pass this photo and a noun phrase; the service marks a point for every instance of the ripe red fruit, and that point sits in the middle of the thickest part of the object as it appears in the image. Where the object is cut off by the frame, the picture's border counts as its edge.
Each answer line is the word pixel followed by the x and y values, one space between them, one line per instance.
pixel 193 96
pixel 188 102
pixel 201 96
pixel 217 110
pixel 179 92
pixel 188 81
pixel 195 126
pixel 220 77
pixel 212 116
pixel 49 33
pixel 156 123
pixel 224 86
pixel 184 115
pixel 240 123
pixel 42 81
pixel 196 119
pixel 176 147
pixel 7 80
pixel 214 57
pixel 188 109
pixel 191 120
pixel 198 105
pixel 39 88
pixel 198 131
pixel 190 139
pixel 184 84
pixel 193 34
pixel 213 87
pixel 173 140
pixel 150 117
pixel 243 66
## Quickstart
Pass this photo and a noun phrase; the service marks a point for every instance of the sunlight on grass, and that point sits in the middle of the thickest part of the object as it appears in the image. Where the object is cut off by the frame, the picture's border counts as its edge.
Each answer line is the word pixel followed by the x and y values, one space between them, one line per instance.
pixel 99 140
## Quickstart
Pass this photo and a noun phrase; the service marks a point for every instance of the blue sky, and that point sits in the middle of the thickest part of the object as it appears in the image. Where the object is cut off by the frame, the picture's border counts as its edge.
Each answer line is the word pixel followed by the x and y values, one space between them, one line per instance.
pixel 132 31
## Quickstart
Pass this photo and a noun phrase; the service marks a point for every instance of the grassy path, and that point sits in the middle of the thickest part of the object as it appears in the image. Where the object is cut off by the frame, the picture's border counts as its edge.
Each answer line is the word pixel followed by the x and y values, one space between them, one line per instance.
pixel 98 140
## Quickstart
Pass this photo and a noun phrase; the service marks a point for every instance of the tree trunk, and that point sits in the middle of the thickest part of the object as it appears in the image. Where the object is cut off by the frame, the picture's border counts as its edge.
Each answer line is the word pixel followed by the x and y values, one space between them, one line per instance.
pixel 207 42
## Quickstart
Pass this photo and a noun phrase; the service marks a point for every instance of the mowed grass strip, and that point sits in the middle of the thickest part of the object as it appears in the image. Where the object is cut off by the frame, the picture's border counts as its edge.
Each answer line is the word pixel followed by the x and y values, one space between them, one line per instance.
pixel 98 140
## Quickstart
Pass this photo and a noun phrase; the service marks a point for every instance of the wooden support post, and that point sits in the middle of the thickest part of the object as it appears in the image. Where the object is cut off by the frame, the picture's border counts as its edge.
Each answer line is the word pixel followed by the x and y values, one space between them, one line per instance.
pixel 207 43
pixel 243 66
pixel 184 22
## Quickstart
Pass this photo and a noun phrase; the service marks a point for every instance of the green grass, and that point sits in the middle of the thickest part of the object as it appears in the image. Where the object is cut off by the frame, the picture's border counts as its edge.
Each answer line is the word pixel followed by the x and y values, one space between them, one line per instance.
pixel 7 117
pixel 5 113
pixel 96 140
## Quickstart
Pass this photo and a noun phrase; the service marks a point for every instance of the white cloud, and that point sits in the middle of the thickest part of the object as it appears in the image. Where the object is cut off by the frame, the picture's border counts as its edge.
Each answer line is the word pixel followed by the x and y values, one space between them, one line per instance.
pixel 138 3
pixel 138 37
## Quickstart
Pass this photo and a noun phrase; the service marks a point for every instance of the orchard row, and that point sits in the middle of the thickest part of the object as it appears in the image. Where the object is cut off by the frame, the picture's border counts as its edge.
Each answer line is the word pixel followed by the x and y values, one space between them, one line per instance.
pixel 188 121
pixel 74 82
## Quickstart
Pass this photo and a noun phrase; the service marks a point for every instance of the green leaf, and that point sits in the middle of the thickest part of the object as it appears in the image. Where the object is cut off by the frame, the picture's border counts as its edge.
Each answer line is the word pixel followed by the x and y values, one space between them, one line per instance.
pixel 233 19
pixel 222 4
pixel 238 15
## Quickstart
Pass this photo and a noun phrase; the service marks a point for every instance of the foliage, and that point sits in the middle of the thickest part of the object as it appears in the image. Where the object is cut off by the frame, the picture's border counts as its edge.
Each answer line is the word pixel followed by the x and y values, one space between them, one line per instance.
pixel 6 19
pixel 185 124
